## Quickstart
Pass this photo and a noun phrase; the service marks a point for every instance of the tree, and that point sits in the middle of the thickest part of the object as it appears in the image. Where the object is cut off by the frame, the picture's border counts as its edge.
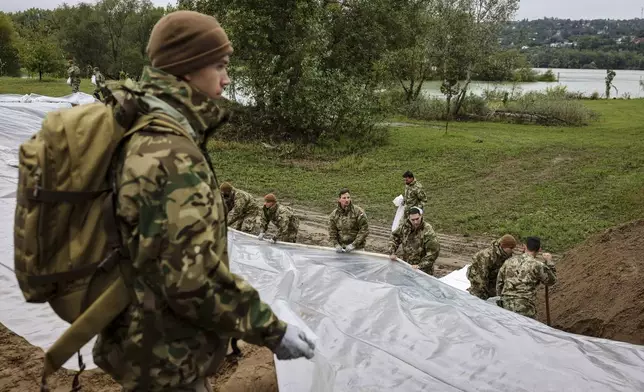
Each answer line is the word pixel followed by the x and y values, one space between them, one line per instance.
pixel 296 92
pixel 116 16
pixel 9 61
pixel 41 54
pixel 610 75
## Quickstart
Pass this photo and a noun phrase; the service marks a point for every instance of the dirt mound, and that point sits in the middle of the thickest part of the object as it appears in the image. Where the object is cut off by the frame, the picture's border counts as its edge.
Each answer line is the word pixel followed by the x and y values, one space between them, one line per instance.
pixel 599 290
pixel 21 366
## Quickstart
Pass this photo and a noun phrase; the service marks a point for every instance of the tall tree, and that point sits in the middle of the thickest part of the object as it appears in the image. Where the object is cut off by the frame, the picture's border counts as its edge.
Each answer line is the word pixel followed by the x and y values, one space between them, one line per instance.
pixel 41 54
pixel 9 61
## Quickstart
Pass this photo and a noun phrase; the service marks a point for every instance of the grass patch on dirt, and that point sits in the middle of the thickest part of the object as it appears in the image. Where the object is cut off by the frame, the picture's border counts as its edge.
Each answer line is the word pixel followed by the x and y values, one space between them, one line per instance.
pixel 48 86
pixel 561 183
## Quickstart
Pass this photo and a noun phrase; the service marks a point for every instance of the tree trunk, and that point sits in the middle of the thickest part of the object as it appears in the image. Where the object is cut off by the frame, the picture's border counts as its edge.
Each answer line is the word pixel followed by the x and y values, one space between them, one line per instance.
pixel 40 75
pixel 461 95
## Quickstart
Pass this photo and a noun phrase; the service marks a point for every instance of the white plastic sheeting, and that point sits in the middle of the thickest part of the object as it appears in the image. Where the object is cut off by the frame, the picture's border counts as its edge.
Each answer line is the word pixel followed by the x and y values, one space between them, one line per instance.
pixel 379 325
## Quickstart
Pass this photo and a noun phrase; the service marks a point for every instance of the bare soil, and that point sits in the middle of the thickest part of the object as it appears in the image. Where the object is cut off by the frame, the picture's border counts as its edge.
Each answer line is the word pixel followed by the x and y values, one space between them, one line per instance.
pixel 599 290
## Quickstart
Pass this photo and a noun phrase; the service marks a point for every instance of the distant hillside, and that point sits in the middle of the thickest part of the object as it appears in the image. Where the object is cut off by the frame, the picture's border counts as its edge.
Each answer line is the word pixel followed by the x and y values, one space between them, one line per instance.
pixel 565 43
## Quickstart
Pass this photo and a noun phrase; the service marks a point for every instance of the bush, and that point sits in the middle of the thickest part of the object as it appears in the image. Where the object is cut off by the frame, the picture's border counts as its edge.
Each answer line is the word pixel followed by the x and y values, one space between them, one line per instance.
pixel 324 108
pixel 552 107
pixel 548 76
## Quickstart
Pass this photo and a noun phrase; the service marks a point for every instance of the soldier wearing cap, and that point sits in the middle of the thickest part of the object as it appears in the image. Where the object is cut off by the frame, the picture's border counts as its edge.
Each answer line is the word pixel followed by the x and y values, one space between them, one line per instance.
pixel 418 240
pixel 282 217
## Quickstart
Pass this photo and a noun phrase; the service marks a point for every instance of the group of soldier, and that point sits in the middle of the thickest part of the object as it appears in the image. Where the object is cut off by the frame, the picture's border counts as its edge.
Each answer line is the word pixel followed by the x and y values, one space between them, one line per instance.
pixel 74 74
pixel 186 304
pixel 493 272
pixel 348 226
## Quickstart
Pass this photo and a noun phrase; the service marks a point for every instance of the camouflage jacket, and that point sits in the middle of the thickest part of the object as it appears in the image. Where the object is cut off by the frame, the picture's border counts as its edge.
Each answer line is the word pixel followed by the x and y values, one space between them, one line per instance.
pixel 283 218
pixel 520 276
pixel 484 269
pixel 348 226
pixel 244 205
pixel 74 72
pixel 420 246
pixel 172 222
pixel 414 196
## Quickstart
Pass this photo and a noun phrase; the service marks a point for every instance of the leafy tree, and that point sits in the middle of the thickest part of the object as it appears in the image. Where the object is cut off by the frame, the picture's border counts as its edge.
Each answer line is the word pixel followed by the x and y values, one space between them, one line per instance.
pixel 41 54
pixel 9 61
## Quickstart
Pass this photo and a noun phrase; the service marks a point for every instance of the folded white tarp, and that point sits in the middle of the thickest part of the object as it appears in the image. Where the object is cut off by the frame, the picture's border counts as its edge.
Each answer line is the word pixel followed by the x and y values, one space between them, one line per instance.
pixel 379 325
pixel 74 98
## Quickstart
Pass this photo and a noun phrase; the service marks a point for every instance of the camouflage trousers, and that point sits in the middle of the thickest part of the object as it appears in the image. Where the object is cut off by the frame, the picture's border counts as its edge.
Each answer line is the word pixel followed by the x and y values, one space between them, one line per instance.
pixel 478 291
pixel 289 237
pixel 523 307
pixel 201 385
pixel 250 224
pixel 75 86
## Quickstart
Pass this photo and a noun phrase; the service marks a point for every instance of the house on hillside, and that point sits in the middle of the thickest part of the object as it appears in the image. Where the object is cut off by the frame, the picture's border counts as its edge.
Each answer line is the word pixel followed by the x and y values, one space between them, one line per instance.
pixel 638 41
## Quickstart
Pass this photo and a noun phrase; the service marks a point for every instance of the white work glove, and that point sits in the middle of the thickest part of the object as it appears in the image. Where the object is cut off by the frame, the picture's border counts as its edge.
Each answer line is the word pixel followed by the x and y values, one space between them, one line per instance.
pixel 273 240
pixel 339 249
pixel 295 344
pixel 260 236
pixel 349 248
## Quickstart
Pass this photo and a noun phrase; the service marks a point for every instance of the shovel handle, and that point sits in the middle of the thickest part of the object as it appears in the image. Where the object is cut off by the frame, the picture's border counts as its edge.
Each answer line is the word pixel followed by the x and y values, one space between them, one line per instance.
pixel 547 307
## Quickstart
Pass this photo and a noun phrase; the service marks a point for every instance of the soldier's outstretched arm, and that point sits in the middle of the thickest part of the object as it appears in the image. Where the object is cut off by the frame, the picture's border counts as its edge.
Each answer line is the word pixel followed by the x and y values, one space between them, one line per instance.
pixel 333 231
pixel 197 284
pixel 548 273
pixel 500 280
pixel 363 231
pixel 394 241
pixel 432 249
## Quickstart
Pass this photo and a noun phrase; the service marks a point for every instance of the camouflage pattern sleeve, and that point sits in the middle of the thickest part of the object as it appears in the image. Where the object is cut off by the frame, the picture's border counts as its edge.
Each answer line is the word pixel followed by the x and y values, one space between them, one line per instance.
pixel 500 279
pixel 547 273
pixel 283 220
pixel 183 242
pixel 395 240
pixel 263 226
pixel 333 230
pixel 237 212
pixel 432 249
pixel 478 274
pixel 363 231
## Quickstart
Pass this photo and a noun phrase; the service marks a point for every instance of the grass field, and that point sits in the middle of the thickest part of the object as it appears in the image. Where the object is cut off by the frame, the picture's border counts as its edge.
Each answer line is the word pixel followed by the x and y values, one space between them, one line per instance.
pixel 49 87
pixel 481 178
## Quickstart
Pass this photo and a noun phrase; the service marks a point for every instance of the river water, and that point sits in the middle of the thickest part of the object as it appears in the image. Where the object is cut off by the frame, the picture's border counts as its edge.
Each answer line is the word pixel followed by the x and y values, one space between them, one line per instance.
pixel 586 81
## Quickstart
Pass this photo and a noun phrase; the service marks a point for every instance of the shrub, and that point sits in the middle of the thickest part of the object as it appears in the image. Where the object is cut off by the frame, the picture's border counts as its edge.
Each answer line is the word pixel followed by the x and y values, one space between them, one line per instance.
pixel 552 107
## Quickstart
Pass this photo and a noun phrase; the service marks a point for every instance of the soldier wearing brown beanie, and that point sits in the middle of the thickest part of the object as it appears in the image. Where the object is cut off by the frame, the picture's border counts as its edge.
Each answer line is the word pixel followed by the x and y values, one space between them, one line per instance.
pixel 186 305
pixel 486 265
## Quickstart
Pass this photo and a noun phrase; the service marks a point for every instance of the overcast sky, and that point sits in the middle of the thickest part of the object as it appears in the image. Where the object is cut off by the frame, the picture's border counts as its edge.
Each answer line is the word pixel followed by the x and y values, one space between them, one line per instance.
pixel 531 9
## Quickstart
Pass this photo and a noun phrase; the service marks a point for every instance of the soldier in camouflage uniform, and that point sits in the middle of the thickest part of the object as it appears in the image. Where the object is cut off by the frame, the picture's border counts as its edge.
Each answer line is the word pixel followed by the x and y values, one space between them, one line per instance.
pixel 419 242
pixel 520 277
pixel 100 84
pixel 414 194
pixel 243 210
pixel 74 74
pixel 283 218
pixel 186 303
pixel 348 226
pixel 486 264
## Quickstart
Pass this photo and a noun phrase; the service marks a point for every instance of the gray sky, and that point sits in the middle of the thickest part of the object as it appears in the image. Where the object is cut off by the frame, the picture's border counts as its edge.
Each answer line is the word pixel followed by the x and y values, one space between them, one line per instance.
pixel 531 9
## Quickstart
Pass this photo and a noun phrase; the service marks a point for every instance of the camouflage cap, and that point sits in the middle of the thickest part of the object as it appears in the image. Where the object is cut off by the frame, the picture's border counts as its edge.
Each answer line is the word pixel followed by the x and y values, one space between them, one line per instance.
pixel 270 198
pixel 225 187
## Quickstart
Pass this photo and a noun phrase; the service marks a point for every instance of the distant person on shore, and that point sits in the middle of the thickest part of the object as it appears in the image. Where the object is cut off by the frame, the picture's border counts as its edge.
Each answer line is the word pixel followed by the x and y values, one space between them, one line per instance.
pixel 282 217
pixel 520 276
pixel 419 242
pixel 74 74
pixel 414 195
pixel 348 226
pixel 486 264
pixel 99 80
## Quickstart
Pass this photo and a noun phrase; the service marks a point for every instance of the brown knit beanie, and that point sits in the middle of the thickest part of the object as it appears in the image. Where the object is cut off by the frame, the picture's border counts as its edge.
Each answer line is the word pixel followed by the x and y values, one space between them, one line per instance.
pixel 507 241
pixel 270 198
pixel 186 41
pixel 225 187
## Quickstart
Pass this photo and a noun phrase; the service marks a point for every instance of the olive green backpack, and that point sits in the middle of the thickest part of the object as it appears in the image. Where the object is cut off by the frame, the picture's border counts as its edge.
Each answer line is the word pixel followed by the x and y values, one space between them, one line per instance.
pixel 67 246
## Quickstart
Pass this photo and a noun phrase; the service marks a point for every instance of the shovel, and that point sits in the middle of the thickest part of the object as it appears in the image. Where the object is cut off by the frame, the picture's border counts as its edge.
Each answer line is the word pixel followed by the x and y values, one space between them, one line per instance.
pixel 547 308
